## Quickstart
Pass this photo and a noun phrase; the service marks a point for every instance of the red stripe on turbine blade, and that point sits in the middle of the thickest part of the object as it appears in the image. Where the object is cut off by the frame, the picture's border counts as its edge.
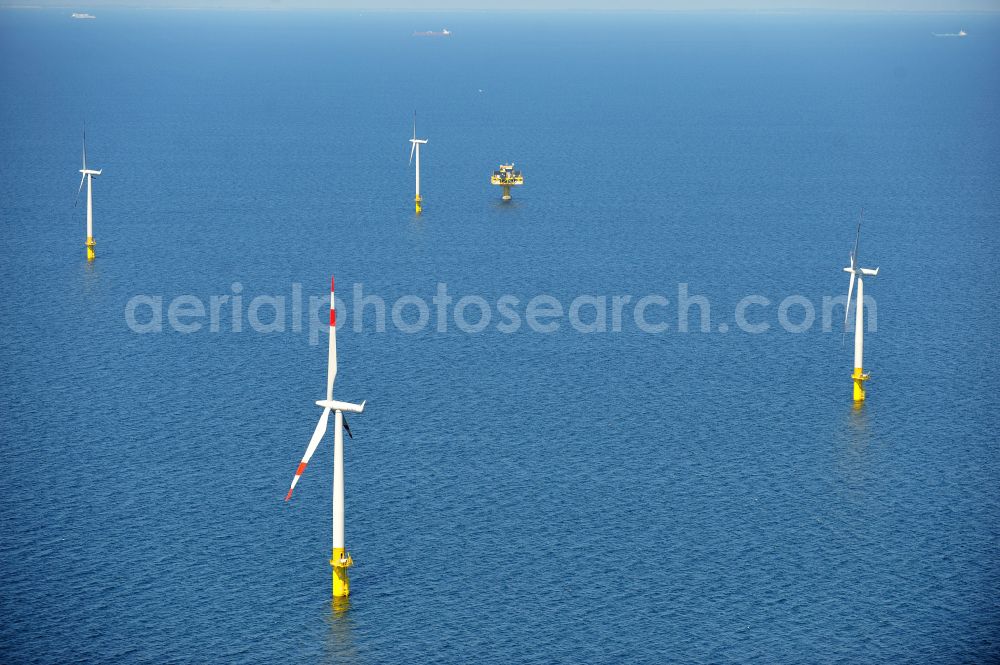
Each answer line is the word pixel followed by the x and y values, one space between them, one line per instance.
pixel 295 480
pixel 331 284
pixel 333 318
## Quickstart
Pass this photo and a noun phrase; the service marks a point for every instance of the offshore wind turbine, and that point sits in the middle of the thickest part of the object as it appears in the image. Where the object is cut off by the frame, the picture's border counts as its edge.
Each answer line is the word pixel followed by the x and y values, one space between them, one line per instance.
pixel 88 175
pixel 858 274
pixel 340 559
pixel 415 148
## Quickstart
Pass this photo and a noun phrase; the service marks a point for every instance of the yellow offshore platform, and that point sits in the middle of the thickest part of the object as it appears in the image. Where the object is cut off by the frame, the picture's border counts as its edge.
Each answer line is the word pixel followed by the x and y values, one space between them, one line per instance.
pixel 506 177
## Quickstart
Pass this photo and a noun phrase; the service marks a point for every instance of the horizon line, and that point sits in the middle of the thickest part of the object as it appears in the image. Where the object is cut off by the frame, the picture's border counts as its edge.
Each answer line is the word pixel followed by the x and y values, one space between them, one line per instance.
pixel 202 7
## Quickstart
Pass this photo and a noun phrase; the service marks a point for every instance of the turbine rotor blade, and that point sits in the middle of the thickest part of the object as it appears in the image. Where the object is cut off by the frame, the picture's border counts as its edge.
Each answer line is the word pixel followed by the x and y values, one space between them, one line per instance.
pixel 331 361
pixel 854 266
pixel 85 147
pixel 857 240
pixel 77 199
pixel 313 444
pixel 847 307
pixel 413 146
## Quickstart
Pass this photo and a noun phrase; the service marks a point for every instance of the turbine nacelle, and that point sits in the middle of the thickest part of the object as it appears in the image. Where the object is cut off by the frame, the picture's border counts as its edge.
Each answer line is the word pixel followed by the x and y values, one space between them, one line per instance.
pixel 335 405
pixel 90 172
pixel 867 272
pixel 413 147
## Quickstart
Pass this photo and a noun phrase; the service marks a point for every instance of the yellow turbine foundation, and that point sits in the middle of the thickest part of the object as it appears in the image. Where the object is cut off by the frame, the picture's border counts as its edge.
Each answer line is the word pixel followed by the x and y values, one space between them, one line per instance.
pixel 341 561
pixel 417 201
pixel 506 192
pixel 859 378
pixel 90 248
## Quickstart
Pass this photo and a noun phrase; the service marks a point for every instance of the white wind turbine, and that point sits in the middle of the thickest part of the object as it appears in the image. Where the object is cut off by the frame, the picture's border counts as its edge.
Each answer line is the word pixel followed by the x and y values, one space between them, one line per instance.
pixel 88 175
pixel 340 559
pixel 857 273
pixel 415 148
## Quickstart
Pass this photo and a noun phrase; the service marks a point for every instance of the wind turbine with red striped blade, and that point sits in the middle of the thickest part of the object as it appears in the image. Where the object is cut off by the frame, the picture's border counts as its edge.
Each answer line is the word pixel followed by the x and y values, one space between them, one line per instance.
pixel 340 559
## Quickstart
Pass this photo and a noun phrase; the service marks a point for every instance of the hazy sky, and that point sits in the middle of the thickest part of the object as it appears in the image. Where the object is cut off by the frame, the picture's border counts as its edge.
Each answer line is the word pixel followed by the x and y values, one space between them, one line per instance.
pixel 538 5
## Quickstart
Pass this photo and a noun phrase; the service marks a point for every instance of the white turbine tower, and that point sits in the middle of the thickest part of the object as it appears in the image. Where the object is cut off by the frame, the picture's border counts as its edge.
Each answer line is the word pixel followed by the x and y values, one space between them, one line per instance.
pixel 340 559
pixel 857 273
pixel 88 175
pixel 415 148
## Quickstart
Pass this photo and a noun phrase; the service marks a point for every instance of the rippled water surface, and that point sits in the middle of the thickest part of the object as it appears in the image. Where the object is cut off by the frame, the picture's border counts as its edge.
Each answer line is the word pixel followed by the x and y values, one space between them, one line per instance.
pixel 524 497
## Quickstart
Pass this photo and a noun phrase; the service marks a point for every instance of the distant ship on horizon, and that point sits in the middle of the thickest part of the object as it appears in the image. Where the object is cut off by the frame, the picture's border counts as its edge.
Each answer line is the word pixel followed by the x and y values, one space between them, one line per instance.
pixel 960 33
pixel 445 32
pixel 76 15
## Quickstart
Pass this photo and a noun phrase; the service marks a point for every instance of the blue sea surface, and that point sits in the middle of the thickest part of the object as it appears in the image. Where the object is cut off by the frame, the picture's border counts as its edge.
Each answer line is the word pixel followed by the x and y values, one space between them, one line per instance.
pixel 619 496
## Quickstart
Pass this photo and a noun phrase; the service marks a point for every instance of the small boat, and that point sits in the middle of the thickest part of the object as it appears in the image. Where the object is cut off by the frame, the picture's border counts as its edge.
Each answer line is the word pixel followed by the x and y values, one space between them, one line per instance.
pixel 76 15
